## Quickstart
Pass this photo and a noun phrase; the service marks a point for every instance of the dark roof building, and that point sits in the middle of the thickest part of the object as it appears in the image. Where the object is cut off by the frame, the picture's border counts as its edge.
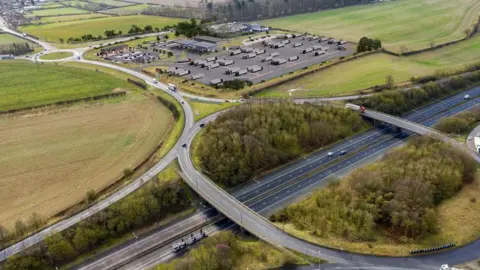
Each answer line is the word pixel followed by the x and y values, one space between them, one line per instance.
pixel 208 39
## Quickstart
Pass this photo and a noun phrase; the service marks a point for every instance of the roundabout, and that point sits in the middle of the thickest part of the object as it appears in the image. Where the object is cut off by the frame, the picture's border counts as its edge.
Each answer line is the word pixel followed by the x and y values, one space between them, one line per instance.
pixel 224 202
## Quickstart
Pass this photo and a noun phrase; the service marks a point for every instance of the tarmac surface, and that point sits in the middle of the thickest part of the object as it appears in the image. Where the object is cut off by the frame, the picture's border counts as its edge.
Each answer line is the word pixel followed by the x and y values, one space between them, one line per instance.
pixel 269 71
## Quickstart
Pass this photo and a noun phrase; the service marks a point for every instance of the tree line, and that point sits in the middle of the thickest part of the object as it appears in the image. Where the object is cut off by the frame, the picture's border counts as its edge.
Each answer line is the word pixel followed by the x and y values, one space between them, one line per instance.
pixel 397 102
pixel 16 48
pixel 399 193
pixel 252 138
pixel 251 10
pixel 153 202
pixel 366 44
pixel 459 124
pixel 20 229
pixel 226 251
pixel 134 30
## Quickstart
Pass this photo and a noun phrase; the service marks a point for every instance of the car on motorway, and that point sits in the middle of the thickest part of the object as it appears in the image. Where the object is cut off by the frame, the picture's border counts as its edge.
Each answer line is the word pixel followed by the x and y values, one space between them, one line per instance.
pixel 343 152
pixel 466 97
pixel 330 154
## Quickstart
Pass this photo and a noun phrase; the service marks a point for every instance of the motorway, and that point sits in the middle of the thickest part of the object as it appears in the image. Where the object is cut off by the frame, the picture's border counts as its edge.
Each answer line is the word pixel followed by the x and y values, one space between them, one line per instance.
pixel 278 188
pixel 237 211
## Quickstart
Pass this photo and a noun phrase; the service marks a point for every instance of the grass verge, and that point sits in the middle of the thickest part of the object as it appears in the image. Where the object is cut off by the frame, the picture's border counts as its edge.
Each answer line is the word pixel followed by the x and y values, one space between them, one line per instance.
pixel 56 55
pixel 459 222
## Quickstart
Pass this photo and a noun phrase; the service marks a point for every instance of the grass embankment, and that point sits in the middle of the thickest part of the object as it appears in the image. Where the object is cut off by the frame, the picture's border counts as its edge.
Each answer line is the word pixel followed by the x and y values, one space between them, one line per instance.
pixel 372 70
pixel 54 31
pixel 377 210
pixel 401 25
pixel 56 55
pixel 130 10
pixel 458 222
pixel 202 109
pixel 167 176
pixel 29 84
pixel 55 12
pixel 227 251
pixel 157 202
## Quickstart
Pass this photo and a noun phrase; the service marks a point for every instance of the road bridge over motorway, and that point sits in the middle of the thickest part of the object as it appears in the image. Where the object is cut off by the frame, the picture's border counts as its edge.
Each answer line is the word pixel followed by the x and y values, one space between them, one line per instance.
pixel 416 128
pixel 226 203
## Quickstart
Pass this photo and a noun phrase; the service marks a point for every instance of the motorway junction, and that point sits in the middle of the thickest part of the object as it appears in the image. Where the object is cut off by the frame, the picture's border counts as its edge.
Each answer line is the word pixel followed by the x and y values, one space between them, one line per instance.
pixel 247 214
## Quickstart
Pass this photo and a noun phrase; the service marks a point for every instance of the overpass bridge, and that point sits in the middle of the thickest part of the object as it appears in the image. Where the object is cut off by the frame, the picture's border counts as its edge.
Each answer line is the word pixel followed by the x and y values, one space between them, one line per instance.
pixel 413 127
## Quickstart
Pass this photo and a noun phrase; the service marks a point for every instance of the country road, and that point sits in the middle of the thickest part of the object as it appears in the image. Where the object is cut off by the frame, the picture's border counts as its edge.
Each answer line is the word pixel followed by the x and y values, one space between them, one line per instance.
pixel 248 216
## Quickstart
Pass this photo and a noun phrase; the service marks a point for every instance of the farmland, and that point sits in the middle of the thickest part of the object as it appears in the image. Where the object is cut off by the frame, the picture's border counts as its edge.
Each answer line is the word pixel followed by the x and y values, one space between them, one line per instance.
pixel 54 31
pixel 372 70
pixel 58 154
pixel 111 3
pixel 56 12
pixel 135 9
pixel 402 25
pixel 9 39
pixel 50 5
pixel 68 18
pixel 52 84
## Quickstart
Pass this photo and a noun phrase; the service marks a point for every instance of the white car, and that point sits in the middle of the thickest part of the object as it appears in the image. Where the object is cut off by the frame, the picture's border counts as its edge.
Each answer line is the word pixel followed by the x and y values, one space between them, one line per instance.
pixel 466 97
pixel 469 137
pixel 330 154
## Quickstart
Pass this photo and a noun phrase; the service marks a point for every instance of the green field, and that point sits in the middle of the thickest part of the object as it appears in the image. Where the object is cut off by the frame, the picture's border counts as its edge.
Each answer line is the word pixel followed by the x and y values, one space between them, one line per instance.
pixel 136 9
pixel 111 2
pixel 401 25
pixel 9 39
pixel 371 70
pixel 50 5
pixel 56 55
pixel 54 31
pixel 30 84
pixel 202 109
pixel 56 12
pixel 71 18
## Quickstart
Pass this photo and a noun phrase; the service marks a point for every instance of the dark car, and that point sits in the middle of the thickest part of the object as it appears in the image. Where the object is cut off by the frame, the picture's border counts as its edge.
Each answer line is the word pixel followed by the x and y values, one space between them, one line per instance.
pixel 202 125
pixel 184 145
pixel 343 152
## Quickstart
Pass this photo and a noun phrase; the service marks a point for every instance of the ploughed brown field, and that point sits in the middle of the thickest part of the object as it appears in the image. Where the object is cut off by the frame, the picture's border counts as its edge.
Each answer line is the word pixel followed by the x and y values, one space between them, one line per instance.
pixel 50 158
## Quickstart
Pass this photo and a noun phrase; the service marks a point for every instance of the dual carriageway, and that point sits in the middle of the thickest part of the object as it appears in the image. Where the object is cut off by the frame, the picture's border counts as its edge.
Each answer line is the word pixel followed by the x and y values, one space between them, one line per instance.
pixel 288 183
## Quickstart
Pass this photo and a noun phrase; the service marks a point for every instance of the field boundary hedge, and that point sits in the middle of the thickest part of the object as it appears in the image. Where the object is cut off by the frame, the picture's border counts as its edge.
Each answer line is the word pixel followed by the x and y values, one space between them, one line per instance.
pixel 476 26
pixel 309 71
pixel 66 102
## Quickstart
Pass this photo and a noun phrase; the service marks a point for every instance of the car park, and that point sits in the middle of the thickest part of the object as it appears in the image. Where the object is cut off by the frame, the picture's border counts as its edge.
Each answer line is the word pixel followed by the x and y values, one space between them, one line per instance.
pixel 242 58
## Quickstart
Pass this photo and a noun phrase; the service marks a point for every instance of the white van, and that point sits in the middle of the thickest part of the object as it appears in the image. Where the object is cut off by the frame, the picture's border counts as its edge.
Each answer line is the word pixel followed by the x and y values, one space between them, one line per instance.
pixel 172 87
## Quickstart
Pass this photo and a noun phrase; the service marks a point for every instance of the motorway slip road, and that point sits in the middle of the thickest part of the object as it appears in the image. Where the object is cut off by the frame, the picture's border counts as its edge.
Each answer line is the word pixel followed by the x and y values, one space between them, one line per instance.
pixel 308 164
